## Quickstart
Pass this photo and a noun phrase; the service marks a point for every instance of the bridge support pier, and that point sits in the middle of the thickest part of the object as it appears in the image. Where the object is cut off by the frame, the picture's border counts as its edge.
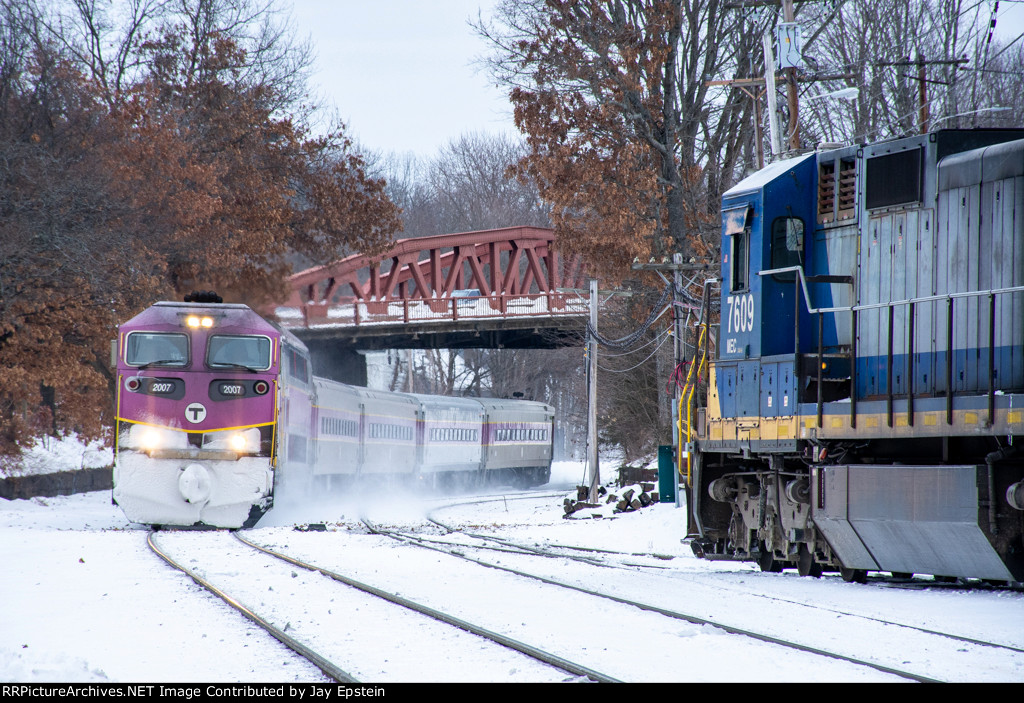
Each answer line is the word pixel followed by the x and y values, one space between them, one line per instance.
pixel 337 363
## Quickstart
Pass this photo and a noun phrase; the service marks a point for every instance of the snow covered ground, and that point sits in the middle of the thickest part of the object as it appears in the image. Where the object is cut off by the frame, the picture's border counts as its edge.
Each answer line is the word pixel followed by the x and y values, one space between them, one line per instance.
pixel 48 455
pixel 84 599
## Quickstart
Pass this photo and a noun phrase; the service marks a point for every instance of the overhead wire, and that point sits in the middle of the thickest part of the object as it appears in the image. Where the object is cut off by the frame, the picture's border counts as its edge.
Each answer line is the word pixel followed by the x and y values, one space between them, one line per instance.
pixel 633 337
pixel 637 349
pixel 648 358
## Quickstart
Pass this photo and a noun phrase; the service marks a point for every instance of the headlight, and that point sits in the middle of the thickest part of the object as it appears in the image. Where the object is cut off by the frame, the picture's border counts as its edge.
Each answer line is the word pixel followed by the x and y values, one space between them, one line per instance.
pixel 148 438
pixel 195 321
pixel 241 441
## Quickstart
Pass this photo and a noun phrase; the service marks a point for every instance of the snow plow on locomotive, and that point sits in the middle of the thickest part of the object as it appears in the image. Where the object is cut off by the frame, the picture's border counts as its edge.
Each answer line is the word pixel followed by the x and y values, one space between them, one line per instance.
pixel 865 409
pixel 218 409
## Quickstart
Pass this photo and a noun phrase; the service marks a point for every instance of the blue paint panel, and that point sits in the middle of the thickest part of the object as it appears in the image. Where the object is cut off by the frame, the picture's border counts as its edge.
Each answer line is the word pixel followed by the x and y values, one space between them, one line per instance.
pixel 787 389
pixel 791 195
pixel 770 399
pixel 725 375
pixel 748 389
pixel 757 311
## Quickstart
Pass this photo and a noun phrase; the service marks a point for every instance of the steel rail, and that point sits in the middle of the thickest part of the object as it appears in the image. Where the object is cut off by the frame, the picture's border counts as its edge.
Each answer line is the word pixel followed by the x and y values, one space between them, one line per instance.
pixel 522 549
pixel 518 548
pixel 696 620
pixel 510 547
pixel 881 582
pixel 521 647
pixel 494 499
pixel 325 665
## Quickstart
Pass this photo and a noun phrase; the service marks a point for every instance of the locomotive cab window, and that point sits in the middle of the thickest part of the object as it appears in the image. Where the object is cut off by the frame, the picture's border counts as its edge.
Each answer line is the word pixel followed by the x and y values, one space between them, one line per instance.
pixel 739 261
pixel 157 349
pixel 230 351
pixel 787 245
pixel 737 221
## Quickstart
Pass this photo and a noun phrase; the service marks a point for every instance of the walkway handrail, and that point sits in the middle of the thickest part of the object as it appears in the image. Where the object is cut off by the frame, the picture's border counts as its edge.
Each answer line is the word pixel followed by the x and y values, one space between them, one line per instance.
pixel 693 377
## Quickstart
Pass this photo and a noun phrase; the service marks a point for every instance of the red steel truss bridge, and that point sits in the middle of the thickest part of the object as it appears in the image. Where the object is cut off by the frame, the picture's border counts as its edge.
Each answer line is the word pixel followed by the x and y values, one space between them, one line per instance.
pixel 494 288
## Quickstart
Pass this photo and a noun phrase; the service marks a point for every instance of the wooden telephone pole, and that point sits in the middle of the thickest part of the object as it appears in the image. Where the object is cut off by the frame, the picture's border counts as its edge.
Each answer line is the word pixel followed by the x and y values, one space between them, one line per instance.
pixel 923 117
pixel 592 458
pixel 791 94
pixel 765 85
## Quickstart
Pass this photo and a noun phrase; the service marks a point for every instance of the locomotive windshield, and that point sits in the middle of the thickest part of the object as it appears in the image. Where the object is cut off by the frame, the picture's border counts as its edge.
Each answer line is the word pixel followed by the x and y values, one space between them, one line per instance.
pixel 156 348
pixel 252 353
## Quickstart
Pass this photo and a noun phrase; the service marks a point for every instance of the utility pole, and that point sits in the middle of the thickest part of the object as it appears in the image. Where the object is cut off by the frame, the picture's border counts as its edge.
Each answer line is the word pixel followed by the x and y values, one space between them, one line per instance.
pixel 922 94
pixel 773 114
pixel 788 36
pixel 790 73
pixel 923 116
pixel 679 353
pixel 677 267
pixel 592 458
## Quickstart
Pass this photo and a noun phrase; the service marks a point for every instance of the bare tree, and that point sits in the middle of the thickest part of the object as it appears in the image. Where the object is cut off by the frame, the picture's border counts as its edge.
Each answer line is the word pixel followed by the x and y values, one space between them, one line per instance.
pixel 105 38
pixel 916 65
pixel 628 138
pixel 473 189
pixel 466 187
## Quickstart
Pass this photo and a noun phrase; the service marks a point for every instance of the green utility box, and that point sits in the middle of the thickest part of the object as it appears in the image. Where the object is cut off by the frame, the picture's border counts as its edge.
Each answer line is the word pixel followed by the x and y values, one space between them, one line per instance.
pixel 666 474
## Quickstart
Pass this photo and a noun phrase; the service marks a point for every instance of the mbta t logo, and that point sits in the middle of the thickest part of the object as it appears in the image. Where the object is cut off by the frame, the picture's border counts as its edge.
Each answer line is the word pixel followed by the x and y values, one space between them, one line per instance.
pixel 195 413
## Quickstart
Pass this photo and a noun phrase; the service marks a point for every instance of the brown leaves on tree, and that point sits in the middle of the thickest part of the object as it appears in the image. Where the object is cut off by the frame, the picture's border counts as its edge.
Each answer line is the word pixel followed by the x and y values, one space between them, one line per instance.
pixel 190 175
pixel 612 97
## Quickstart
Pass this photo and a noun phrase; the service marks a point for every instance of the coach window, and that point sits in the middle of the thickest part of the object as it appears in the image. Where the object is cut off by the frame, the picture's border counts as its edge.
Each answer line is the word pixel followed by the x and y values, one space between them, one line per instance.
pixel 296 365
pixel 787 245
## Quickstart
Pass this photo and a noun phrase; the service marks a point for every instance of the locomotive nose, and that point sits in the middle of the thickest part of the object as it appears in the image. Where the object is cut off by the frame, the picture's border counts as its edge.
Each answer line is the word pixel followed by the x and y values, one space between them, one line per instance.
pixel 194 484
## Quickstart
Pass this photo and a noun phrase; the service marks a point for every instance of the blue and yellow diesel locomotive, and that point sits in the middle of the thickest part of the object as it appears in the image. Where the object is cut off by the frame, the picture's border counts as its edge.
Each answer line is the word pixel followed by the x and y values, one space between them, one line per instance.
pixel 865 409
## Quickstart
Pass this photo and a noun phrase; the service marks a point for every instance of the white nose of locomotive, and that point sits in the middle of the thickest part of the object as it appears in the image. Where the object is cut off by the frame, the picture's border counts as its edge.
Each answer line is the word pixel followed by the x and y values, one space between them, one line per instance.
pixel 194 484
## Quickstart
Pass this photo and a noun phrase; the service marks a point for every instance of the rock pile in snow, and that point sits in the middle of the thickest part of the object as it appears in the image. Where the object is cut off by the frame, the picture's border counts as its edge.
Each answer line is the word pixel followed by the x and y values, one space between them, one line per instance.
pixel 625 499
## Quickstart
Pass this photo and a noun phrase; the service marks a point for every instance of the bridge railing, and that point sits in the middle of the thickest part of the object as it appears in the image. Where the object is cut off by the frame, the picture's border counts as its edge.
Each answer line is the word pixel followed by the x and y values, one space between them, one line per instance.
pixel 353 312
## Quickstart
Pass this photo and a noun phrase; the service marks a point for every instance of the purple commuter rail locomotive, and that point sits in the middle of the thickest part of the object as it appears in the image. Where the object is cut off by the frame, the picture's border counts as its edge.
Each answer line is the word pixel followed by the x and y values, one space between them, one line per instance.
pixel 218 408
pixel 197 415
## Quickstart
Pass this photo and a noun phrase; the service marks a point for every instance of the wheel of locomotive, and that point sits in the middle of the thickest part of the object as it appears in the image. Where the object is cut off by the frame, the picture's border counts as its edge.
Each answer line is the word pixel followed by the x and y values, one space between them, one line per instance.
pixel 805 563
pixel 853 575
pixel 766 560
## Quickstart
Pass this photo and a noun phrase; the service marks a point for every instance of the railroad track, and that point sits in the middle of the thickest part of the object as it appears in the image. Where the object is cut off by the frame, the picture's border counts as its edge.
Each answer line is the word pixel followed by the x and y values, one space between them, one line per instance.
pixel 571 570
pixel 329 669
pixel 561 551
pixel 459 552
pixel 990 655
pixel 311 644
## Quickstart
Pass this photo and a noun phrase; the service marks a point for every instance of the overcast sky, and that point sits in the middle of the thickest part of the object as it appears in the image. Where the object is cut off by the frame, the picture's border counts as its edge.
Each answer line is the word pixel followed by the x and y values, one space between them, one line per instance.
pixel 402 73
